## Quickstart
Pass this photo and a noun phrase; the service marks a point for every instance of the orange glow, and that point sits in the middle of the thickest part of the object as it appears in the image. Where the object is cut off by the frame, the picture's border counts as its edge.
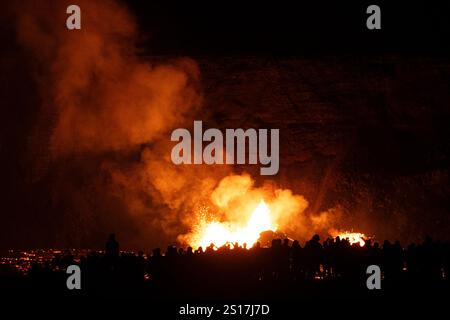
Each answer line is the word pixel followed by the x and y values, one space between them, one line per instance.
pixel 221 233
pixel 352 237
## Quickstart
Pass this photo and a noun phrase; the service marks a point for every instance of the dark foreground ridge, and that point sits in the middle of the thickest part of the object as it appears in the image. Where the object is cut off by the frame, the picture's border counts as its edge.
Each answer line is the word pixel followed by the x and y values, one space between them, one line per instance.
pixel 285 270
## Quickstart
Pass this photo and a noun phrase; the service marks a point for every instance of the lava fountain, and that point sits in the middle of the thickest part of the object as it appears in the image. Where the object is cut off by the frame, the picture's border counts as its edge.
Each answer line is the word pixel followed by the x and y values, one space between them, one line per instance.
pixel 238 212
pixel 221 233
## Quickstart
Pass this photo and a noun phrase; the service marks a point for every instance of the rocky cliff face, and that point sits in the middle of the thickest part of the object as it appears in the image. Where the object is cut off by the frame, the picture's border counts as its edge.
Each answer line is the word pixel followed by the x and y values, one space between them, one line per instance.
pixel 367 135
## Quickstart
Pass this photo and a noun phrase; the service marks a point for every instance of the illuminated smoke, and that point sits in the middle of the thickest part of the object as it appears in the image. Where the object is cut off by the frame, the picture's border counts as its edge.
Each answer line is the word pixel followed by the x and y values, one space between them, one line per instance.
pixel 105 117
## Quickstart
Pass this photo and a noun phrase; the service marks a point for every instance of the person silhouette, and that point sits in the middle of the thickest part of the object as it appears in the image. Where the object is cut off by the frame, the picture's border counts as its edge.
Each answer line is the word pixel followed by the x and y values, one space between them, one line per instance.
pixel 112 246
pixel 313 253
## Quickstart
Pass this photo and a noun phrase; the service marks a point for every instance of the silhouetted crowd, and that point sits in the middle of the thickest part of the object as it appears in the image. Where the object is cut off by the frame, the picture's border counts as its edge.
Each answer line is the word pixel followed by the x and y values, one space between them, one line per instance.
pixel 285 266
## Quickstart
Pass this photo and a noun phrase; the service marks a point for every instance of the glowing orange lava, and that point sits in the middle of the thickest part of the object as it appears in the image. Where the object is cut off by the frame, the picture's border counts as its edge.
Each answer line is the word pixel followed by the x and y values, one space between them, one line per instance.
pixel 352 237
pixel 221 233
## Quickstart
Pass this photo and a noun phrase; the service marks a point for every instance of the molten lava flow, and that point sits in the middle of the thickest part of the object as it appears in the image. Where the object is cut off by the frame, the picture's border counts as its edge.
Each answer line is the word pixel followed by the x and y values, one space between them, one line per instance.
pixel 352 237
pixel 221 233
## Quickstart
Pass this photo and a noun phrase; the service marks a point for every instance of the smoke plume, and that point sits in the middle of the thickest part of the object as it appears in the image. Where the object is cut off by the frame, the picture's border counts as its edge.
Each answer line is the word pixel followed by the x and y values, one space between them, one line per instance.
pixel 102 135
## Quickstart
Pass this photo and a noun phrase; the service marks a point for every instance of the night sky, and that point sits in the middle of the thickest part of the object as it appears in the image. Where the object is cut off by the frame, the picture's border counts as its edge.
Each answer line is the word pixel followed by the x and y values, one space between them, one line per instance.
pixel 363 115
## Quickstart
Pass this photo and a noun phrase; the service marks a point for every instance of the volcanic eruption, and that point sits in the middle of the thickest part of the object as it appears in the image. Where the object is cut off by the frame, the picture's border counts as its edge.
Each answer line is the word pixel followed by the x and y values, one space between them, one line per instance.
pixel 101 141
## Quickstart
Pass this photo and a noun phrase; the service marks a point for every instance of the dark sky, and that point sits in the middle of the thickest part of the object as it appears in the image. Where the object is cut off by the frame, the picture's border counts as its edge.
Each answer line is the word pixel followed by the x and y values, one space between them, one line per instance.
pixel 293 27
pixel 374 137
